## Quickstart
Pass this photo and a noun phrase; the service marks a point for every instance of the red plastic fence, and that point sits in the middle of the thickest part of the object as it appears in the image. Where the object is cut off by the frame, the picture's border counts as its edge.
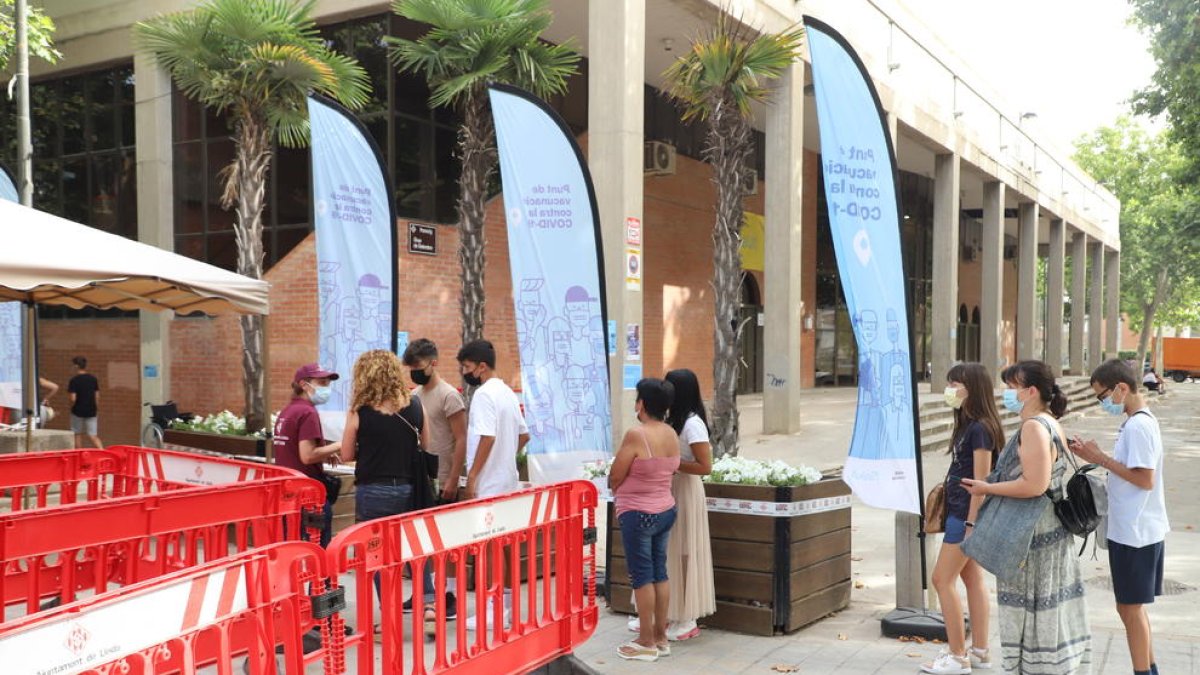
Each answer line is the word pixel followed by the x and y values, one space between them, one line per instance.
pixel 45 479
pixel 551 614
pixel 57 552
pixel 257 604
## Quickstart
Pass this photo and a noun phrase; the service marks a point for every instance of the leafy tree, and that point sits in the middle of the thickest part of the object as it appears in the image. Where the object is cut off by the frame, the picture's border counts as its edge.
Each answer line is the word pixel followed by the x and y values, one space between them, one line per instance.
pixel 41 34
pixel 1159 258
pixel 471 43
pixel 727 69
pixel 1174 30
pixel 254 61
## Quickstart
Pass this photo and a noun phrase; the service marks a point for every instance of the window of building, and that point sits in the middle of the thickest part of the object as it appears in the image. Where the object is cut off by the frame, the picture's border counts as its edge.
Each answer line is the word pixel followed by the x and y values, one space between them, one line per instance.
pixel 84 163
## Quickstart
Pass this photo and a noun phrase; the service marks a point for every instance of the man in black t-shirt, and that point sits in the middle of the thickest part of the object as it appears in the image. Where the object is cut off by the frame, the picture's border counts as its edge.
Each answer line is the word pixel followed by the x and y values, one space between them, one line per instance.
pixel 85 399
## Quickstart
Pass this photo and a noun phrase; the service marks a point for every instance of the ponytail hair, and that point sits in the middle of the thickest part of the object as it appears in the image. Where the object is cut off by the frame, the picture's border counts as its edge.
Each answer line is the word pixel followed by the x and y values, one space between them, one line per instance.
pixel 1038 375
pixel 1058 401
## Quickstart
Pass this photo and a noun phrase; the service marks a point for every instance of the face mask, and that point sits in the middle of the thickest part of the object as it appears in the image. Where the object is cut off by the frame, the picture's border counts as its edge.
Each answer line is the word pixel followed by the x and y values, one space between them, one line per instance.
pixel 419 377
pixel 952 398
pixel 472 380
pixel 320 394
pixel 1111 407
pixel 1012 402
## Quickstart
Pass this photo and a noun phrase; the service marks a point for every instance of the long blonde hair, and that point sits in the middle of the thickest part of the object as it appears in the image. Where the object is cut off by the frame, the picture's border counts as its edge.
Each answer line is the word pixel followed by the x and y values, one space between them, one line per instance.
pixel 378 379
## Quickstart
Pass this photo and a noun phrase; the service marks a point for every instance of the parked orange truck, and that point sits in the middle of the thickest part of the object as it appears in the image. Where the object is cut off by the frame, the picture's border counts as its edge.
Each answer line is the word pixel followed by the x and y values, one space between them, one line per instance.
pixel 1181 358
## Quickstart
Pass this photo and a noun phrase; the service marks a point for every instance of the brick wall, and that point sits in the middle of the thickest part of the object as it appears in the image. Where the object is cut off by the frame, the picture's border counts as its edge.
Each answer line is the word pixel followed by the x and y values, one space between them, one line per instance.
pixel 111 347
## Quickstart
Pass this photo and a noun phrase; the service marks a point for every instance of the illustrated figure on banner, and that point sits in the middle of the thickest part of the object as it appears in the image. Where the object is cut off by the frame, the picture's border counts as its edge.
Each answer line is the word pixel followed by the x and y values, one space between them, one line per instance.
pixel 873 385
pixel 328 296
pixel 352 324
pixel 564 365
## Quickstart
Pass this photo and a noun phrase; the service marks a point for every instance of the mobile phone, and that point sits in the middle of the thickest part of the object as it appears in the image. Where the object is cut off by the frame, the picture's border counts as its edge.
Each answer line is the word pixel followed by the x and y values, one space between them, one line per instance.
pixel 953 480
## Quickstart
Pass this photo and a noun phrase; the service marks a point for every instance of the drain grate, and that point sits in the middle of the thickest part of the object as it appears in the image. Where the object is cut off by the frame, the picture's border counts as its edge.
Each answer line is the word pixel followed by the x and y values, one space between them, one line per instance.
pixel 1170 586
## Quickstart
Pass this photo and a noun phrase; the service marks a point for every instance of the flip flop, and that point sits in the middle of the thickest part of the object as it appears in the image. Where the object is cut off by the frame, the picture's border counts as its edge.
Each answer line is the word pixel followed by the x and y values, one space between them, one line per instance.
pixel 664 649
pixel 632 651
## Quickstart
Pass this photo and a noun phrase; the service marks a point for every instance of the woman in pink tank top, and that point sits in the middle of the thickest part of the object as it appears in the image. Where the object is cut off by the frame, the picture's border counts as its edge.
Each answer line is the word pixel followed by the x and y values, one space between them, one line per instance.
pixel 640 479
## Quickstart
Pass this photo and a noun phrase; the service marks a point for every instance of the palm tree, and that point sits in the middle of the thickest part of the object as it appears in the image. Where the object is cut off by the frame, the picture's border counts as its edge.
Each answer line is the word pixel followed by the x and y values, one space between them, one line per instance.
pixel 716 81
pixel 470 44
pixel 255 61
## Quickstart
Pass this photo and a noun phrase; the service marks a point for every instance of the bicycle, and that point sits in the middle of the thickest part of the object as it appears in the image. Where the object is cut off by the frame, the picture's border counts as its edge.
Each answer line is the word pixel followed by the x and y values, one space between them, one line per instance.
pixel 161 417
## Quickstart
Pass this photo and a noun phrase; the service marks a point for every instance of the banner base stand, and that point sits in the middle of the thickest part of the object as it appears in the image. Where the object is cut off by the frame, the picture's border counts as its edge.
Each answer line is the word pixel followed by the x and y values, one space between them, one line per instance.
pixel 916 622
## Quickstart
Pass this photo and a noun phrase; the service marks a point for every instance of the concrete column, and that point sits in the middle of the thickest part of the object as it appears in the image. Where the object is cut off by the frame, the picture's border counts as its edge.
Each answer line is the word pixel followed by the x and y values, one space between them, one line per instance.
pixel 156 213
pixel 782 257
pixel 1027 257
pixel 1078 301
pixel 1095 305
pixel 991 304
pixel 946 185
pixel 1055 273
pixel 1112 301
pixel 616 95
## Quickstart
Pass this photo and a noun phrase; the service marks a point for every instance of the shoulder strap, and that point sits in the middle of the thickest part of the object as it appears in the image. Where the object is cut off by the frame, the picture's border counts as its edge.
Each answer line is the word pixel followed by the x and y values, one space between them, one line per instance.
pixel 410 425
pixel 646 440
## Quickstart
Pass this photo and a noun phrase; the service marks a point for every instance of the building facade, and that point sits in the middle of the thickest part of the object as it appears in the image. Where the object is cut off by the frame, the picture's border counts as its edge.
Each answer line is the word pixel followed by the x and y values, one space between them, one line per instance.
pixel 994 216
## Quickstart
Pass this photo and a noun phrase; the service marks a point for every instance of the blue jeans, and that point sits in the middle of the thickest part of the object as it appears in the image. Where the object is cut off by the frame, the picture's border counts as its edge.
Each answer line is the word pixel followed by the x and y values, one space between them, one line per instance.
pixel 645 538
pixel 380 501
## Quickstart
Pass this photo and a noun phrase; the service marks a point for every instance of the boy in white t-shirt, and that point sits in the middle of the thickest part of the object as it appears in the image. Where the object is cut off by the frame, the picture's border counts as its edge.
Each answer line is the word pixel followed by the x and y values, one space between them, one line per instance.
pixel 1137 511
pixel 496 432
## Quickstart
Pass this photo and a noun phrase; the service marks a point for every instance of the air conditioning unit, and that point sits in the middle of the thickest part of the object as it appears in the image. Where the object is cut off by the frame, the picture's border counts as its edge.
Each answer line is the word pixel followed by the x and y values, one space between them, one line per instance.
pixel 970 253
pixel 750 181
pixel 658 159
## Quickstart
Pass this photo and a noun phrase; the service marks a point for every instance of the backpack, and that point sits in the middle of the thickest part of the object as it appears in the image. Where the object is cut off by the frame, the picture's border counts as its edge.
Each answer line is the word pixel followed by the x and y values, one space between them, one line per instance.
pixel 1082 502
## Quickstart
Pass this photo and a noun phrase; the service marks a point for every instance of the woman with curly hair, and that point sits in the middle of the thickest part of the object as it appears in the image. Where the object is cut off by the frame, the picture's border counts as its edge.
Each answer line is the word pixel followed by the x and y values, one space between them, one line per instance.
pixel 385 428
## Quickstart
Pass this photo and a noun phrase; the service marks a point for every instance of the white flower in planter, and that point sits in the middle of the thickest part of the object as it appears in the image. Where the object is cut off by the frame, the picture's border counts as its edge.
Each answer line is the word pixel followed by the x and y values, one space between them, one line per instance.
pixel 743 471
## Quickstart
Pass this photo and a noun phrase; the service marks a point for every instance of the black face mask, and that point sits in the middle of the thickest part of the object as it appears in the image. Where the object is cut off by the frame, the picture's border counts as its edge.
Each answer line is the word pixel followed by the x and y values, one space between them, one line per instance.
pixel 472 380
pixel 419 377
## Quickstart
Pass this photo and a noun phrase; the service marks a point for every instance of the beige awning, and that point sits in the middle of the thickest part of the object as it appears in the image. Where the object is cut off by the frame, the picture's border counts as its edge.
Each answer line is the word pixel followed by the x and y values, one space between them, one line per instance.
pixel 52 261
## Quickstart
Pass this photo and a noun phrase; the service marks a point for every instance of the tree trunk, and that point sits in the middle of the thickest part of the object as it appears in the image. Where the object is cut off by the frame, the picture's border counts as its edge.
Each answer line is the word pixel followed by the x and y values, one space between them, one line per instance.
pixel 245 185
pixel 1161 288
pixel 729 147
pixel 477 149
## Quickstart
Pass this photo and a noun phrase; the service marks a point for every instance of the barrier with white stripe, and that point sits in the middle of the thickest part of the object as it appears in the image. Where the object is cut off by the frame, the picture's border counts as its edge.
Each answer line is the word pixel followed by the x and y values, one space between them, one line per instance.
pixel 252 605
pixel 552 613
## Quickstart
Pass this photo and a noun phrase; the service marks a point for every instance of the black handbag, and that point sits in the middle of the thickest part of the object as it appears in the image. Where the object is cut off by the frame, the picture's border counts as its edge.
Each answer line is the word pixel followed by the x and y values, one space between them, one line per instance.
pixel 424 470
pixel 333 487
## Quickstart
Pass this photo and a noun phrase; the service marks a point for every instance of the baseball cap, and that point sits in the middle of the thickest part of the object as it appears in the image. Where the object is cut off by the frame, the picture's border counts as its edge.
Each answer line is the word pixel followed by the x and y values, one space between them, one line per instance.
pixel 313 371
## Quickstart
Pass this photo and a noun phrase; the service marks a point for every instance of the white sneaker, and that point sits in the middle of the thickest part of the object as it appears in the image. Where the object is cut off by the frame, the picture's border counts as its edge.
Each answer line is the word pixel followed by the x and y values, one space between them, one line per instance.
pixel 634 624
pixel 677 632
pixel 980 658
pixel 472 621
pixel 948 664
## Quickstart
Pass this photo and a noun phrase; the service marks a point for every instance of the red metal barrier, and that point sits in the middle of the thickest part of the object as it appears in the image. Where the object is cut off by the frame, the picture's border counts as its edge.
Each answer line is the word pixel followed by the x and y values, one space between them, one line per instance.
pixel 60 477
pixel 257 604
pixel 57 552
pixel 551 614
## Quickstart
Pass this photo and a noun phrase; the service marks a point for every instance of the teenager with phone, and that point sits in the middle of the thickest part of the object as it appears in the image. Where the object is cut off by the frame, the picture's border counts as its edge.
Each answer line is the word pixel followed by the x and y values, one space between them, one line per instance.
pixel 976 439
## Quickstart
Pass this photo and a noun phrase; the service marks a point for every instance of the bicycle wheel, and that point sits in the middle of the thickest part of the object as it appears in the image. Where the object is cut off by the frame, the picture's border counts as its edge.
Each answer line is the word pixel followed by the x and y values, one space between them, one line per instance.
pixel 152 436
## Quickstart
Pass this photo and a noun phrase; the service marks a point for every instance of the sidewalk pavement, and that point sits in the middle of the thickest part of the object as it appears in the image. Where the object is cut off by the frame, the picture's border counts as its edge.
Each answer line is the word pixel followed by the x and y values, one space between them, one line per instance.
pixel 850 641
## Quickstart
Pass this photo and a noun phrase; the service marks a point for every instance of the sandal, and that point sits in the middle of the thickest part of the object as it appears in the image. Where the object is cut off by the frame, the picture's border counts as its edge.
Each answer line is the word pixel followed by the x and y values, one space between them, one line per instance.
pixel 430 621
pixel 664 649
pixel 632 651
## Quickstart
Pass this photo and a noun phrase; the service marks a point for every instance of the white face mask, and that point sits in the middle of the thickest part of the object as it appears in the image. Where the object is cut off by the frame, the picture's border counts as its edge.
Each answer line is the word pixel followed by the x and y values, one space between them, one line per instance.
pixel 952 398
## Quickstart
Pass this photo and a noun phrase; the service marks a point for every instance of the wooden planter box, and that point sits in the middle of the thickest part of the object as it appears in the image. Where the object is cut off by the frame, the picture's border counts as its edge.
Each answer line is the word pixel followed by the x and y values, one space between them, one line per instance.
pixel 773 574
pixel 231 445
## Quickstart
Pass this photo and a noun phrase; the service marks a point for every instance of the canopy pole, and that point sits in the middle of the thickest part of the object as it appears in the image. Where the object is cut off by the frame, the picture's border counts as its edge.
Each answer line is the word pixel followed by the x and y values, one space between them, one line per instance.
pixel 266 338
pixel 25 193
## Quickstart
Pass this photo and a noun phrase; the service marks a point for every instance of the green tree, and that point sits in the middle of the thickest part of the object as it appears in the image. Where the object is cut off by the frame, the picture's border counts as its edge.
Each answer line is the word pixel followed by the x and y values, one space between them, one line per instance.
pixel 1174 30
pixel 726 69
pixel 255 61
pixel 471 43
pixel 1159 209
pixel 41 34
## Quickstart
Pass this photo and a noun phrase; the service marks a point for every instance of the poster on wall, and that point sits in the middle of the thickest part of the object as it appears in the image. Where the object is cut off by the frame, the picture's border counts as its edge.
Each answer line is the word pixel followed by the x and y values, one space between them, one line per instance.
pixel 860 189
pixel 354 217
pixel 557 275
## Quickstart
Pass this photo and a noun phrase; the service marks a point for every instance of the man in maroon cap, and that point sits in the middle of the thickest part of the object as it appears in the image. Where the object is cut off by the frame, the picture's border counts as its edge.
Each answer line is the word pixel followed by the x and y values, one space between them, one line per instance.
pixel 298 440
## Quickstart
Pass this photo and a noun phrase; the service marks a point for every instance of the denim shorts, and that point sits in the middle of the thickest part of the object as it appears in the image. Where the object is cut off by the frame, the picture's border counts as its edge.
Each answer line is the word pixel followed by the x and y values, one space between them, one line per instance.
pixel 645 538
pixel 956 530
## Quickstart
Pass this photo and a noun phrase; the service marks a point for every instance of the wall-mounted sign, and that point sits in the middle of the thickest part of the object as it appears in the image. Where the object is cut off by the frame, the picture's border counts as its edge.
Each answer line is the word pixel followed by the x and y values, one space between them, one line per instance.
pixel 633 231
pixel 422 239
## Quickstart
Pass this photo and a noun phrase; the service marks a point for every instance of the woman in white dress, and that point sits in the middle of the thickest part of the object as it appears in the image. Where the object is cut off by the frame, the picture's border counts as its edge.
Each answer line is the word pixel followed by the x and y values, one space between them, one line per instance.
pixel 689 550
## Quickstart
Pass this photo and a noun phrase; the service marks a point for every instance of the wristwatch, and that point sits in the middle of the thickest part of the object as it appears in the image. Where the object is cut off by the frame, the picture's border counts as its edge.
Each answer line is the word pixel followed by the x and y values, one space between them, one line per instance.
pixel 968 523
